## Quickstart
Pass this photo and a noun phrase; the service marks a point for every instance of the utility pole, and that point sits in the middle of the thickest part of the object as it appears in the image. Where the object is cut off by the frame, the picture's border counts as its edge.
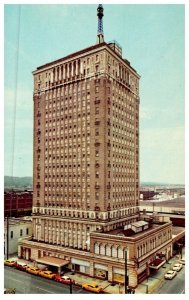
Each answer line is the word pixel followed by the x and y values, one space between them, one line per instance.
pixel 9 215
pixel 70 286
pixel 147 286
pixel 7 238
pixel 126 277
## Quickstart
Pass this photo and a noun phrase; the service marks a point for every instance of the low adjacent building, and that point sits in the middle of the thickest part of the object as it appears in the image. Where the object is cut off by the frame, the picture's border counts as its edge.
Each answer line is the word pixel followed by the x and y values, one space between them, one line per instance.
pixel 17 228
pixel 140 247
pixel 18 203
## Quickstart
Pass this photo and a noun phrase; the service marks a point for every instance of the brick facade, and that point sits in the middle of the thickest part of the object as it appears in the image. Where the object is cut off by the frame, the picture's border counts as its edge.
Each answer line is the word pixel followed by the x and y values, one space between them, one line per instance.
pixel 86 161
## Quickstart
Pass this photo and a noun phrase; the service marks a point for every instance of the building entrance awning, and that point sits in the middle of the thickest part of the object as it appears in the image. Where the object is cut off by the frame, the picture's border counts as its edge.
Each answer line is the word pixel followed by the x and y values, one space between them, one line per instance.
pixel 157 263
pixel 52 261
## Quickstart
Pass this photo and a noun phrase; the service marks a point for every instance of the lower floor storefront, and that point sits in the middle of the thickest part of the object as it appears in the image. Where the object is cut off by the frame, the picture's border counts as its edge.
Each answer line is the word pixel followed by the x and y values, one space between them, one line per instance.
pixel 80 266
pixel 87 263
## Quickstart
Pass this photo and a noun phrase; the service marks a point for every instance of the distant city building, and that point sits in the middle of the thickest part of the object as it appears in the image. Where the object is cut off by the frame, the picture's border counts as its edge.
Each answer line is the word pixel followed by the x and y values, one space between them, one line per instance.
pixel 18 228
pixel 86 168
pixel 17 203
pixel 147 194
pixel 166 208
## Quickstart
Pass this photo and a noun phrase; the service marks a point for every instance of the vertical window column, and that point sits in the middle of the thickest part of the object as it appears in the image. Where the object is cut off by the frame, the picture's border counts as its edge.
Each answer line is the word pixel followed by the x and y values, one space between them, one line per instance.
pixel 55 74
pixel 60 73
pixel 63 75
pixel 72 69
pixel 76 68
pixel 67 74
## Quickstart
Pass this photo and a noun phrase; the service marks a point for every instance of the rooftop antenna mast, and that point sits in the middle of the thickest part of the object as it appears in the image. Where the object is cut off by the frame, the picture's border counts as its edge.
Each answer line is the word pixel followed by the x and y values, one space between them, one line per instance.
pixel 100 34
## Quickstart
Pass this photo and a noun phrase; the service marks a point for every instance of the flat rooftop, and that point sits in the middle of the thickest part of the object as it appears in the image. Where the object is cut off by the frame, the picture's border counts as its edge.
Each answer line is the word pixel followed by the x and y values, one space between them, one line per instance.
pixel 130 233
pixel 176 202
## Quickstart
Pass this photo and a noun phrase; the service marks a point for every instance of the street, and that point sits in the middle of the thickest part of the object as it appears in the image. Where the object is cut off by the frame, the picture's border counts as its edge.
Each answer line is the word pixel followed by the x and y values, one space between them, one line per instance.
pixel 30 284
pixel 174 286
pixel 26 283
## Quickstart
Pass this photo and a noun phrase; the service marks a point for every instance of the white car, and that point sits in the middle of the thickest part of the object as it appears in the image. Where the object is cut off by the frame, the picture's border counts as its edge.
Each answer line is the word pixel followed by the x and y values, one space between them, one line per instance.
pixel 181 261
pixel 177 267
pixel 170 274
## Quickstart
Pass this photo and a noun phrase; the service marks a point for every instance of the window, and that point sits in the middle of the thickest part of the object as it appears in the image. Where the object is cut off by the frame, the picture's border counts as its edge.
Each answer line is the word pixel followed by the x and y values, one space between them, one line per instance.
pixel 97 131
pixel 96 89
pixel 11 234
pixel 108 250
pixel 102 249
pixel 21 232
pixel 27 230
pixel 96 110
pixel 96 248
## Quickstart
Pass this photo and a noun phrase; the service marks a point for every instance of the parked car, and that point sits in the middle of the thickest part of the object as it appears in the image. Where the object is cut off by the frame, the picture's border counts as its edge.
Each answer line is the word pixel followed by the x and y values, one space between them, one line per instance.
pixel 181 261
pixel 64 279
pixel 33 270
pixel 92 287
pixel 21 267
pixel 170 274
pixel 10 263
pixel 47 274
pixel 177 267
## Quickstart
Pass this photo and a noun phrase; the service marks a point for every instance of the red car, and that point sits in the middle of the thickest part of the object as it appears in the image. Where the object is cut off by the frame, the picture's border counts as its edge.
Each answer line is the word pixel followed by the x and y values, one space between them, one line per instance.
pixel 21 267
pixel 64 279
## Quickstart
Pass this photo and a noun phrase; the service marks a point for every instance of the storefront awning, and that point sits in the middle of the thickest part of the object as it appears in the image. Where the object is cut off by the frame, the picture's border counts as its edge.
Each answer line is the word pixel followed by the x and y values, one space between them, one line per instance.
pixel 52 261
pixel 157 263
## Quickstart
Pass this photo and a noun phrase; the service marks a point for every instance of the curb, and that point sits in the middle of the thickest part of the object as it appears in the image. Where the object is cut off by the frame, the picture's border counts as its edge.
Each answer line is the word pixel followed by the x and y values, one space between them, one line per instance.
pixel 157 285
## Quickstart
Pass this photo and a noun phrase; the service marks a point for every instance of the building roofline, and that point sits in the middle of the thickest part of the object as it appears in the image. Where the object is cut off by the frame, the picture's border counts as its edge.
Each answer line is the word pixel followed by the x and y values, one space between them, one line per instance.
pixel 71 55
pixel 125 61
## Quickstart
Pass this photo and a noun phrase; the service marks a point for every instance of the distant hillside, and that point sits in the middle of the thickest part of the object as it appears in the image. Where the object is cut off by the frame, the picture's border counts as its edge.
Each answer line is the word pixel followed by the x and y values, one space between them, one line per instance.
pixel 27 182
pixel 17 182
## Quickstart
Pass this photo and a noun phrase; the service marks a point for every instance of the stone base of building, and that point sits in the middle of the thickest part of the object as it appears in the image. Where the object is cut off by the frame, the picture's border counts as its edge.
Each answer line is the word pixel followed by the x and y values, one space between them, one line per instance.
pixel 111 255
pixel 98 266
pixel 80 261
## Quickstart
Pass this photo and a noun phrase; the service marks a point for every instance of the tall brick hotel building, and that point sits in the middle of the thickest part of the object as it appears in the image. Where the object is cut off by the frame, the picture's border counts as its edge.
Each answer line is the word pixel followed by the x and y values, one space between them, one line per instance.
pixel 86 168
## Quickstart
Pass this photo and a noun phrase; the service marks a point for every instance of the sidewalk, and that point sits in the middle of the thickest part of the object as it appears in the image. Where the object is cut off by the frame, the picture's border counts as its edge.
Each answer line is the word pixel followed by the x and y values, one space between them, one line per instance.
pixel 148 286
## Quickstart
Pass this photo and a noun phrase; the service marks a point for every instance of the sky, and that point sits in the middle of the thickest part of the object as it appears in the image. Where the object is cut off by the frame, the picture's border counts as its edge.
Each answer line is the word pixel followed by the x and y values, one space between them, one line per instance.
pixel 152 37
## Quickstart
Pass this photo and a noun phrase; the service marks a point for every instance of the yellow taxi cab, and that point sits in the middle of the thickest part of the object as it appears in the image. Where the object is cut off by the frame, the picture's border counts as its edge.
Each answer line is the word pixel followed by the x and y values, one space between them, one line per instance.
pixel 92 287
pixel 47 274
pixel 33 270
pixel 10 263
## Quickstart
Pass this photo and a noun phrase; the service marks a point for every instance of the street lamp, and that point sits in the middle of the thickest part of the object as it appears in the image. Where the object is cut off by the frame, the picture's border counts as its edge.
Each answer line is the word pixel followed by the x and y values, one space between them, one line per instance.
pixel 126 276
